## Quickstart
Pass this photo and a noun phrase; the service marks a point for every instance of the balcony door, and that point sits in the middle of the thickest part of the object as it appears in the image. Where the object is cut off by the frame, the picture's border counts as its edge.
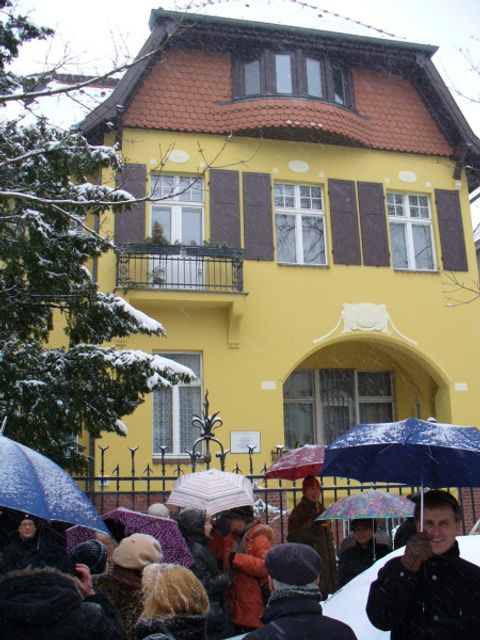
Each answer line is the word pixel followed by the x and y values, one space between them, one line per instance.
pixel 177 215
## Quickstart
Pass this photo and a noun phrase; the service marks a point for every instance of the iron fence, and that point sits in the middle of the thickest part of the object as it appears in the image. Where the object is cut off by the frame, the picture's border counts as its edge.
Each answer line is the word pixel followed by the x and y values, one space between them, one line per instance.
pixel 178 267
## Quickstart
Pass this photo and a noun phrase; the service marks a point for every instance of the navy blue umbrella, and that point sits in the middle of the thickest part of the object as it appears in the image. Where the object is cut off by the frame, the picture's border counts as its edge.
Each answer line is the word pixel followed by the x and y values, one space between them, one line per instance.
pixel 412 452
pixel 32 483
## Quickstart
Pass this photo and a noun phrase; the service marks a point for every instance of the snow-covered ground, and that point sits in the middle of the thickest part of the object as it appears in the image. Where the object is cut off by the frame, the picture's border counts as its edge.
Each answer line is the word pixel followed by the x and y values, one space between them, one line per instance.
pixel 348 604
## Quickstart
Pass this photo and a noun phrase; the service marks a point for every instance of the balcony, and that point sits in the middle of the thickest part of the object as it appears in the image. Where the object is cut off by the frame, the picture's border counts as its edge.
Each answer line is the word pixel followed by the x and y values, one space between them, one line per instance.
pixel 180 268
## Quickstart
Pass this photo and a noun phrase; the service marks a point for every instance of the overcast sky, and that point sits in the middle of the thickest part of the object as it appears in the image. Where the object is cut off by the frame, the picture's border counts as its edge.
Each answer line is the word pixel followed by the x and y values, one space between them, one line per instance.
pixel 96 32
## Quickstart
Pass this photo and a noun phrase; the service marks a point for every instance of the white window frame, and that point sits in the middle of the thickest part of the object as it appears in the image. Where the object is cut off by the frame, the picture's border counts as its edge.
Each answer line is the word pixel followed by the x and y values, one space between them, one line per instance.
pixel 410 221
pixel 301 213
pixel 352 403
pixel 179 195
pixel 175 391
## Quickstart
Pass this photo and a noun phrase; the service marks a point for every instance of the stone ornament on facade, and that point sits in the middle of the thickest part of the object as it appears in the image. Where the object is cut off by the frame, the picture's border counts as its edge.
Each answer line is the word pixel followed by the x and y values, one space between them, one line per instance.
pixel 364 316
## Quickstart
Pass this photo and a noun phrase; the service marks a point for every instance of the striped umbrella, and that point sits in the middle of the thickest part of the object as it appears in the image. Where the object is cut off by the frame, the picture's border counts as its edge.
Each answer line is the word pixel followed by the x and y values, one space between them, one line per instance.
pixel 212 490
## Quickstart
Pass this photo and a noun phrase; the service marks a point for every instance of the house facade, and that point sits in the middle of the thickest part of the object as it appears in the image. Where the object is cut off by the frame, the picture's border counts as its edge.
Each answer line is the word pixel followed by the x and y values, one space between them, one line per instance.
pixel 307 201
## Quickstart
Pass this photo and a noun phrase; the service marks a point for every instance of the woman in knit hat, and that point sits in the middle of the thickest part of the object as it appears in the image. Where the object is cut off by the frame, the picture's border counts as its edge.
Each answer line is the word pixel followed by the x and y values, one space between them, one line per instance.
pixel 303 529
pixel 175 604
pixel 123 583
pixel 92 553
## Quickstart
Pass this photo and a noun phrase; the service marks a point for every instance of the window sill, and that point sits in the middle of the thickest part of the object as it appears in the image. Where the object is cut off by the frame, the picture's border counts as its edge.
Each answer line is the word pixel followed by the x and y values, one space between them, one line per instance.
pixel 303 266
pixel 399 270
pixel 285 96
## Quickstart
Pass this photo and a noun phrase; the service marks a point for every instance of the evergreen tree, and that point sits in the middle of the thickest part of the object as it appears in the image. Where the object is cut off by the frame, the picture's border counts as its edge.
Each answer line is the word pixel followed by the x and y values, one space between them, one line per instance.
pixel 49 395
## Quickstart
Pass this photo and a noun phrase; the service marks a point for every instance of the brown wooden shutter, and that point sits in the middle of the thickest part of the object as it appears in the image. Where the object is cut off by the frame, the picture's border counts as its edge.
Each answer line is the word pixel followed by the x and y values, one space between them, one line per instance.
pixel 257 213
pixel 373 224
pixel 130 225
pixel 225 207
pixel 344 221
pixel 452 237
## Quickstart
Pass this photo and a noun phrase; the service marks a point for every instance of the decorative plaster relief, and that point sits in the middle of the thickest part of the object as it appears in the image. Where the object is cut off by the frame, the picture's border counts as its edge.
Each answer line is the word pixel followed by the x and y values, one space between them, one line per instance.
pixel 386 180
pixel 364 316
pixel 321 174
pixel 428 184
pixel 179 156
pixel 299 166
pixel 407 176
pixel 275 170
pixel 461 386
pixel 268 385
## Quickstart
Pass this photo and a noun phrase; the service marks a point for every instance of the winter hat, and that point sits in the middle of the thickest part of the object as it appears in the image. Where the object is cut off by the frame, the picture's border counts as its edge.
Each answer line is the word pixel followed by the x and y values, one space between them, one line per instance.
pixel 293 563
pixel 310 481
pixel 158 509
pixel 93 553
pixel 137 551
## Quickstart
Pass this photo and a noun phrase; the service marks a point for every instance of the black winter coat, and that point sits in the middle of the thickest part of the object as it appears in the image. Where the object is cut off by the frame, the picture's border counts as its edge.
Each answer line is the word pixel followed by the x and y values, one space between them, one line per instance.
pixel 219 623
pixel 296 614
pixel 439 602
pixel 44 604
pixel 45 549
pixel 177 628
pixel 356 559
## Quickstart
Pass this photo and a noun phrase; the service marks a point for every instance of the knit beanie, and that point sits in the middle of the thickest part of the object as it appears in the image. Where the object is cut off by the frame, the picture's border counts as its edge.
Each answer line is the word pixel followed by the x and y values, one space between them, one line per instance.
pixel 293 563
pixel 93 553
pixel 137 551
pixel 310 481
pixel 158 509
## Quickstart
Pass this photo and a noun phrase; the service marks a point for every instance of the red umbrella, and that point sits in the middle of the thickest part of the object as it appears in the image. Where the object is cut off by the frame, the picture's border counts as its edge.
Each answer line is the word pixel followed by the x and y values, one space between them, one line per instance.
pixel 298 463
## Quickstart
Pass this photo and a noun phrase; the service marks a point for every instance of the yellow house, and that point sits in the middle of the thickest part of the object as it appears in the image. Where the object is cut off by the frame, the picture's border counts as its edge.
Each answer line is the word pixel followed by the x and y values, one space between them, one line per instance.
pixel 308 215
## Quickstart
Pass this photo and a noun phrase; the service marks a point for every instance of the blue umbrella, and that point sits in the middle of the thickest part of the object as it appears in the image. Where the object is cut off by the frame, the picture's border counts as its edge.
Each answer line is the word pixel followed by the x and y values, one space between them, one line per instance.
pixel 412 452
pixel 32 483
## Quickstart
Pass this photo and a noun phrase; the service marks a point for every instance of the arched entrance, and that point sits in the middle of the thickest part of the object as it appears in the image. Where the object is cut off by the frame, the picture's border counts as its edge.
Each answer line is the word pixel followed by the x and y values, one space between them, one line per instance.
pixel 360 378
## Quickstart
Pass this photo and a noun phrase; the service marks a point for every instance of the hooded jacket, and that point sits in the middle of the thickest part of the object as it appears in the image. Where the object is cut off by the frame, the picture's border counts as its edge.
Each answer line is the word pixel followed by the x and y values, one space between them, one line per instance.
pixel 191 523
pixel 438 602
pixel 248 573
pixel 297 613
pixel 44 604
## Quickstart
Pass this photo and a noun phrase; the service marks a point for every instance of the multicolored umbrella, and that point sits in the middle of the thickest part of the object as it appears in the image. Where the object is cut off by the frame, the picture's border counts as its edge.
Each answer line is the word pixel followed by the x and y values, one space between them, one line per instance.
pixel 298 463
pixel 369 504
pixel 212 490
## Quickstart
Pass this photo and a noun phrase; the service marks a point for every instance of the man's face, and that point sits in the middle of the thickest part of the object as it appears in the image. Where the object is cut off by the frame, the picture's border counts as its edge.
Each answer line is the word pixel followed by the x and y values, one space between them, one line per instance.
pixel 312 493
pixel 237 525
pixel 27 528
pixel 363 533
pixel 441 526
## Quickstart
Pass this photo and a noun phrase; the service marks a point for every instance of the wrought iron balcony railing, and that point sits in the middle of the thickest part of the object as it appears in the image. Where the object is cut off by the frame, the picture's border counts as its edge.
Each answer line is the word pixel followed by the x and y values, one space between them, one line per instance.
pixel 179 267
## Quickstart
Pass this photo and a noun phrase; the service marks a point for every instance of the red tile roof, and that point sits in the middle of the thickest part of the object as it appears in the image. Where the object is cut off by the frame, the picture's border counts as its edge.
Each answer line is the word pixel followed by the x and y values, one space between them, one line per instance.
pixel 191 90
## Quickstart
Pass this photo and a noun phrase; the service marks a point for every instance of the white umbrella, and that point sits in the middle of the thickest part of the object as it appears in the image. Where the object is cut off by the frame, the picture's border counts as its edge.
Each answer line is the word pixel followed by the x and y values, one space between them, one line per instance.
pixel 212 490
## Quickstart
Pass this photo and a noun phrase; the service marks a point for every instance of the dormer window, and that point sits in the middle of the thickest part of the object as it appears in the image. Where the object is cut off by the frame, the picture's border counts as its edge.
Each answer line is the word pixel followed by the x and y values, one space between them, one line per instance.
pixel 291 73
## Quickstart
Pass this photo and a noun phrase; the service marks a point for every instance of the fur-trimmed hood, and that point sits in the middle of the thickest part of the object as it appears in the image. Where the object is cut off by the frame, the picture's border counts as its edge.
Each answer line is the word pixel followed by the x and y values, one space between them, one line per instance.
pixel 181 627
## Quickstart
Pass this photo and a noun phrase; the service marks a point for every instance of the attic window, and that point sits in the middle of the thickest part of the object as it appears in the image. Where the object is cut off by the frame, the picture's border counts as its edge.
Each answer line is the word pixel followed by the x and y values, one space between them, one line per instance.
pixel 291 73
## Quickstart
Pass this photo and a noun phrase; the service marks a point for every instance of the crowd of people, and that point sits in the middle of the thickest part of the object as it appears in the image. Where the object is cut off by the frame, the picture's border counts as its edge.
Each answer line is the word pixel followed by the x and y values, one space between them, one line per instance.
pixel 240 582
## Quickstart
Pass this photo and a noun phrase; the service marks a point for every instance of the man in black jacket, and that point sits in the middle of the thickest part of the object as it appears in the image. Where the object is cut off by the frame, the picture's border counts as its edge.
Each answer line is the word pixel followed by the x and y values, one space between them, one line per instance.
pixel 429 593
pixel 46 604
pixel 294 610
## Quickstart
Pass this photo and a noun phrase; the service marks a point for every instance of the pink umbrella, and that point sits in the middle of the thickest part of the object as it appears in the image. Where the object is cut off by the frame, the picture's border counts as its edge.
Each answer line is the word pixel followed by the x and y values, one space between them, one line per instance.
pixel 212 490
pixel 166 531
pixel 298 463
